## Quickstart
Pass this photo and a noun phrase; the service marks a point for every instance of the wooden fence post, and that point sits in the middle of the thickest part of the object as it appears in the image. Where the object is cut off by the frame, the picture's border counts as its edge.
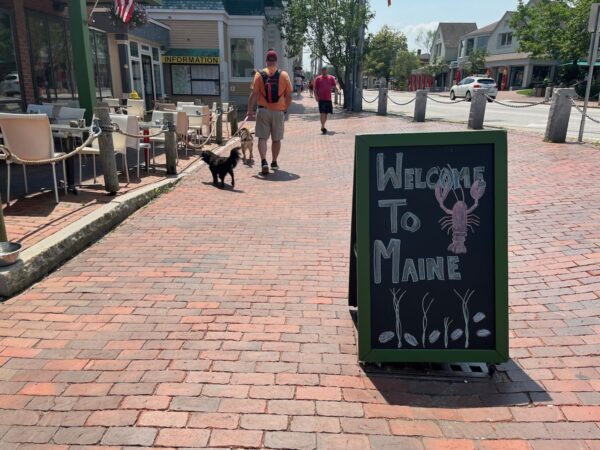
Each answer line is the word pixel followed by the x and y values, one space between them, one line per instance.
pixel 171 144
pixel 107 149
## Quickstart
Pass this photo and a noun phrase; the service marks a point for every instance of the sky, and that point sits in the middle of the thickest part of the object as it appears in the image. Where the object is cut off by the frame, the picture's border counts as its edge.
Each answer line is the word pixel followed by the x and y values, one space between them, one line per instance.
pixel 411 16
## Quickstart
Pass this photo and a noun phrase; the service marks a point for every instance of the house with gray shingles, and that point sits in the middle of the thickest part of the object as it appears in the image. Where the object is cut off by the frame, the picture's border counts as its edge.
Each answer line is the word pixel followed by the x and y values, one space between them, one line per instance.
pixel 511 68
pixel 445 49
pixel 216 44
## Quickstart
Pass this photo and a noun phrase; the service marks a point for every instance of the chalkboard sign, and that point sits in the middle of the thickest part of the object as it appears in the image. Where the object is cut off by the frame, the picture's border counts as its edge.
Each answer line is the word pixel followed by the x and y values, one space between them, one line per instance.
pixel 429 270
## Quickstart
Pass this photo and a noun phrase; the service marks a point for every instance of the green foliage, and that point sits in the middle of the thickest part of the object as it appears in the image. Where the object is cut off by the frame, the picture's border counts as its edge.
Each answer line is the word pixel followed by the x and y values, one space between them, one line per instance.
pixel 425 39
pixel 382 50
pixel 527 92
pixel 555 29
pixel 570 73
pixel 330 28
pixel 405 62
pixel 476 62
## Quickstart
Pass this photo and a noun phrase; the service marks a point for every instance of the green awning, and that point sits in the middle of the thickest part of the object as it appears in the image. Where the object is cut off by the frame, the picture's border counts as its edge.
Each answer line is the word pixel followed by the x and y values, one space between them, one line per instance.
pixel 191 56
pixel 192 52
pixel 582 63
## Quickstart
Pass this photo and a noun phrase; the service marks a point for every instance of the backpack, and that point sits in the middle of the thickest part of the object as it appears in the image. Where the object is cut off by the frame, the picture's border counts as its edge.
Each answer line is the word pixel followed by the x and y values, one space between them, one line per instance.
pixel 271 85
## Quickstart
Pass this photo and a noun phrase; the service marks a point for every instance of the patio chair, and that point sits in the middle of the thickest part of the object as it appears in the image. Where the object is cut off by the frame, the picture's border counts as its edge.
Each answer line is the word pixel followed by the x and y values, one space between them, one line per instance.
pixel 136 108
pixel 113 103
pixel 185 104
pixel 121 143
pixel 29 137
pixel 47 109
pixel 166 107
pixel 181 129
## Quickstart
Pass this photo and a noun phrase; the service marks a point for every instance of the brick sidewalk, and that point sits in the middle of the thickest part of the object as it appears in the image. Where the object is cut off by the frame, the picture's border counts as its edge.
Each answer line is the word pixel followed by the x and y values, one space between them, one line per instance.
pixel 218 318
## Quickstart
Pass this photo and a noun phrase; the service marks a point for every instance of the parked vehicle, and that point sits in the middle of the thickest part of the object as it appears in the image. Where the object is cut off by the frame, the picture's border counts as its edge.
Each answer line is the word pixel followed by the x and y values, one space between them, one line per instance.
pixel 10 85
pixel 467 86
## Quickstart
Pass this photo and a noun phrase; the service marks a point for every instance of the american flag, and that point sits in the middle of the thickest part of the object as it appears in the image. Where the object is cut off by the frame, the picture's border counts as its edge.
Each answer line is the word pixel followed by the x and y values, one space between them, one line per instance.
pixel 124 9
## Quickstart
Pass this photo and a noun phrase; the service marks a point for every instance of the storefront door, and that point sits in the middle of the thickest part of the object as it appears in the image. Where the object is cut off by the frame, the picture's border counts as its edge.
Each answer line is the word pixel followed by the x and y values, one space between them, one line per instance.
pixel 148 75
pixel 516 76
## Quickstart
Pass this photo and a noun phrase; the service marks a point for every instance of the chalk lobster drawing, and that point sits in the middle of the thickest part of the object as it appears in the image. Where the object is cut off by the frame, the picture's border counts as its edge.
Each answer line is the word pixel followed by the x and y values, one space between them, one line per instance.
pixel 460 218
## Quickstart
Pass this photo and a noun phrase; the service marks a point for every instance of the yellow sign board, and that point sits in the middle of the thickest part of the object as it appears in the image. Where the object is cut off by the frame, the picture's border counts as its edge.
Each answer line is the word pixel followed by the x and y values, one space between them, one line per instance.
pixel 191 59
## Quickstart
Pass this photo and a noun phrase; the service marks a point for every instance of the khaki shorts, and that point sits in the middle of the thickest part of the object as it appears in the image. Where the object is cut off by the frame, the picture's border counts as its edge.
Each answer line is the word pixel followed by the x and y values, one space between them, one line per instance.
pixel 269 123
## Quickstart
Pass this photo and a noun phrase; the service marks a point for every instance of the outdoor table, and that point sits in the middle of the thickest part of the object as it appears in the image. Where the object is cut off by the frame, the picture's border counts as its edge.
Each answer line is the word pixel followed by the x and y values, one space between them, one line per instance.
pixel 145 128
pixel 69 132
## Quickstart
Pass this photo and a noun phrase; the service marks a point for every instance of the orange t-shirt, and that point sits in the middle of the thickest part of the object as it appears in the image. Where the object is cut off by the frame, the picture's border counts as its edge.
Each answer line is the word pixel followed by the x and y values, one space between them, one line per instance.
pixel 285 87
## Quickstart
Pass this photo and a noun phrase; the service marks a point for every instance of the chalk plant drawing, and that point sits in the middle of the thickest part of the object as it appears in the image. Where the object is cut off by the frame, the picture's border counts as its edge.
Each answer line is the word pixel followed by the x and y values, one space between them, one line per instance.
pixel 465 310
pixel 447 323
pixel 424 321
pixel 460 218
pixel 397 298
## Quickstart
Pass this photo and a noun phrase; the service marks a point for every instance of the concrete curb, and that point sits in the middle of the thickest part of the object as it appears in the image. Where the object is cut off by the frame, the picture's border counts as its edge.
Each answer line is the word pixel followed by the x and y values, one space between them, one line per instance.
pixel 45 256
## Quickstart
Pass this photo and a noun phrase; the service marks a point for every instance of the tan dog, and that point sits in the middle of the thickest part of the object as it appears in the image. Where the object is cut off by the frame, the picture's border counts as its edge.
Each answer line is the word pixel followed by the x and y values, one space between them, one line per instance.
pixel 247 143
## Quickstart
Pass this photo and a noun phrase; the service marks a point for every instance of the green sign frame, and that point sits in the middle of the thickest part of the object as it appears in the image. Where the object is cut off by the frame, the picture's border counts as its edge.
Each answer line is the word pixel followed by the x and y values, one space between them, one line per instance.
pixel 360 266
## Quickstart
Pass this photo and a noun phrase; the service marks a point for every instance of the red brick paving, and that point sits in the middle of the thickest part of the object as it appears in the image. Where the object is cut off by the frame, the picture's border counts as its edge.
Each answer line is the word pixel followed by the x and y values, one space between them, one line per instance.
pixel 34 217
pixel 219 318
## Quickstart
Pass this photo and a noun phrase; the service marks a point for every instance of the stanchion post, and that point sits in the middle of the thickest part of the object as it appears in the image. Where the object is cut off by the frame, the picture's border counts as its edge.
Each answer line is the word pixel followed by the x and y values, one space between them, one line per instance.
pixel 219 137
pixel 477 112
pixel 336 97
pixel 171 144
pixel 233 119
pixel 3 236
pixel 383 101
pixel 107 149
pixel 548 93
pixel 560 113
pixel 420 105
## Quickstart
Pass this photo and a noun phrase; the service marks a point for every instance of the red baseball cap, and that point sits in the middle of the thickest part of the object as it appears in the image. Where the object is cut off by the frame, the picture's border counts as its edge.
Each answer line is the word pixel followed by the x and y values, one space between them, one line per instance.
pixel 271 54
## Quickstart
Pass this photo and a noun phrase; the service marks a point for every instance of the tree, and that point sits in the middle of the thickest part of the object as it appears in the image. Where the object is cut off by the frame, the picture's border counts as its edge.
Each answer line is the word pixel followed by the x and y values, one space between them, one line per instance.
pixel 405 62
pixel 330 28
pixel 476 62
pixel 425 39
pixel 555 29
pixel 382 50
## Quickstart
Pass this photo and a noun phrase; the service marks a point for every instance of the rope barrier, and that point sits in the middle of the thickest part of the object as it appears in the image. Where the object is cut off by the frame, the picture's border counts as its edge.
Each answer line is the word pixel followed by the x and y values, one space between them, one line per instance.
pixel 372 101
pixel 402 104
pixel 492 99
pixel 11 157
pixel 116 129
pixel 582 112
pixel 446 103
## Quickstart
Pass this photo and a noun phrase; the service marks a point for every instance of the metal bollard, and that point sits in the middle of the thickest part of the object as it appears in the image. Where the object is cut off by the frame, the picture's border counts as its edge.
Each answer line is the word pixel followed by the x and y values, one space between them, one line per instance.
pixel 383 101
pixel 107 149
pixel 219 137
pixel 420 105
pixel 233 119
pixel 560 113
pixel 477 112
pixel 171 144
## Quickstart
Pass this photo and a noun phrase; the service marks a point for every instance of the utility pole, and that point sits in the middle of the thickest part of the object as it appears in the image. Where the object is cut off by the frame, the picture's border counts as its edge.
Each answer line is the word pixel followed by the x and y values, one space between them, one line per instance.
pixel 593 25
pixel 358 65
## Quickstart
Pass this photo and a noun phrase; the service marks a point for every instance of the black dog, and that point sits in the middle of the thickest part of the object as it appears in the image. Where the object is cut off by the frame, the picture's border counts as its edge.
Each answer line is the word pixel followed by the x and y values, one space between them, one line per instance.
pixel 221 166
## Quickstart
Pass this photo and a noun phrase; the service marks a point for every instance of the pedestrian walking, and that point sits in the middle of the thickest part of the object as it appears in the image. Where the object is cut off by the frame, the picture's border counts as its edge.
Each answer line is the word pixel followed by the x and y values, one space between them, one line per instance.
pixel 272 89
pixel 324 85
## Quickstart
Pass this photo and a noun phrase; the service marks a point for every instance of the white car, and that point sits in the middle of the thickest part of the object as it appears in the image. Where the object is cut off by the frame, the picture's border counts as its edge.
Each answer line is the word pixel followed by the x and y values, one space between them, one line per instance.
pixel 10 85
pixel 467 86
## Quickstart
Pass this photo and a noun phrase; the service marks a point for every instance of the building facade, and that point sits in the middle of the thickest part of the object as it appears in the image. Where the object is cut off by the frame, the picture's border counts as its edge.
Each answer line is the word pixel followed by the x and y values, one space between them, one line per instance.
pixel 445 48
pixel 216 45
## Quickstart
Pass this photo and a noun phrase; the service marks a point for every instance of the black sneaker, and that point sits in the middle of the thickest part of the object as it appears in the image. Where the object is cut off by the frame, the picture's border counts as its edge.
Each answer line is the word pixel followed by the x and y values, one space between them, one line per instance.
pixel 265 167
pixel 324 130
pixel 274 165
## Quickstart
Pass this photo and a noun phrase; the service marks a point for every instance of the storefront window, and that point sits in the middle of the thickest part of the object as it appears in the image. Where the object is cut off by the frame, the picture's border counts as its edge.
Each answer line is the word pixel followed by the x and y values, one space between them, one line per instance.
pixel 136 71
pixel 134 49
pixel 158 80
pixel 50 58
pixel 10 82
pixel 99 44
pixel 155 54
pixel 195 79
pixel 242 57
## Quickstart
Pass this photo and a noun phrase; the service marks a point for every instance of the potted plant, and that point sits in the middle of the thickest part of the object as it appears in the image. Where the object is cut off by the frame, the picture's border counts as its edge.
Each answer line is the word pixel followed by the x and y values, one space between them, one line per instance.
pixel 9 251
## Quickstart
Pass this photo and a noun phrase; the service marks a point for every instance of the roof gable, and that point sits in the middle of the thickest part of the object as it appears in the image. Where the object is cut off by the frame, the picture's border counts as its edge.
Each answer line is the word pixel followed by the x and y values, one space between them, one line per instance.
pixel 451 32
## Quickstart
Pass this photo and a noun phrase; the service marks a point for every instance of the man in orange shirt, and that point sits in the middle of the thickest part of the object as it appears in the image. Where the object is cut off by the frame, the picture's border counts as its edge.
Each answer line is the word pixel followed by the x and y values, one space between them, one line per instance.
pixel 273 91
